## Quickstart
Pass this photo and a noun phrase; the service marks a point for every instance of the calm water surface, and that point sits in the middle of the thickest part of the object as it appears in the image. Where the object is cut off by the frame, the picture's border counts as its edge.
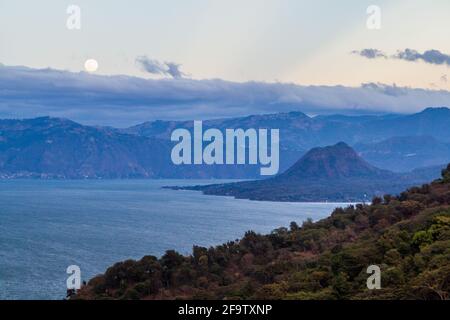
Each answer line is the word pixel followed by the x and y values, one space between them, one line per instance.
pixel 45 226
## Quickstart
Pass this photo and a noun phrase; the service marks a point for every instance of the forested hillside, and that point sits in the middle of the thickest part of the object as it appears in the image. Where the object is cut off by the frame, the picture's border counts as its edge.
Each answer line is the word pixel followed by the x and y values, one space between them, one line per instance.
pixel 407 236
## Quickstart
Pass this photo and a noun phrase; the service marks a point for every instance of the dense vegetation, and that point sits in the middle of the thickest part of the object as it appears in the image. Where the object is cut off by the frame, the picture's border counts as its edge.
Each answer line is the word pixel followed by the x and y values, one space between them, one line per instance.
pixel 407 235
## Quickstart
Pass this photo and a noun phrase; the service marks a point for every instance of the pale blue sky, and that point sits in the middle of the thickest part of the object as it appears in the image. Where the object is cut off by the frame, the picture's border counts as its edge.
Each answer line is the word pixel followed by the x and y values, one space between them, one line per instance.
pixel 237 57
pixel 304 42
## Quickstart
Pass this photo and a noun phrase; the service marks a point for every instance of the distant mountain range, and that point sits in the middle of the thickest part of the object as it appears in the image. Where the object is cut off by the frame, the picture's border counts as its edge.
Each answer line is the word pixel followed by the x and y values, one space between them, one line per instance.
pixel 399 143
pixel 402 154
pixel 301 132
pixel 51 148
pixel 334 173
pixel 59 148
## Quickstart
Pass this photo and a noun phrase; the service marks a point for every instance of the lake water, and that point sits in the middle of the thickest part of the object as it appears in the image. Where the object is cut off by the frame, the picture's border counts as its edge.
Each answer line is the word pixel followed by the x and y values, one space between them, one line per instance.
pixel 45 226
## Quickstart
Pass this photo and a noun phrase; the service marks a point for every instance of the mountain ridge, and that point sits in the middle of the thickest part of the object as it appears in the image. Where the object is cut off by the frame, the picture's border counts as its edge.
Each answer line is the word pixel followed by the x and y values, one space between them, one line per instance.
pixel 403 153
pixel 333 173
pixel 48 147
pixel 300 133
pixel 338 161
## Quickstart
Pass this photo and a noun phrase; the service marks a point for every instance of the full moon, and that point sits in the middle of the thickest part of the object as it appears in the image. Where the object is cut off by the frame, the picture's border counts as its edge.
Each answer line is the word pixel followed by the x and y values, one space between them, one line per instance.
pixel 91 65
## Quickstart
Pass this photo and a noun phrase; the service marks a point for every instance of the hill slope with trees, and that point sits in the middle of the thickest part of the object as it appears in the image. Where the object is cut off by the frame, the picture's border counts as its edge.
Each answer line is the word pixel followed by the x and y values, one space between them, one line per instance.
pixel 407 236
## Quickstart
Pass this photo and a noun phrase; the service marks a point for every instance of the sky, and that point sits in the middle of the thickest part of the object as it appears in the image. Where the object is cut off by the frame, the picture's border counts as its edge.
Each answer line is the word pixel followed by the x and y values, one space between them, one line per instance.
pixel 289 42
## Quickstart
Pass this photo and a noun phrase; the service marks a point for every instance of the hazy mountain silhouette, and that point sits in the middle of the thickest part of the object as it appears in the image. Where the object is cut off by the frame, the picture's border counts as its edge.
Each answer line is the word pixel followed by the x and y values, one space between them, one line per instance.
pixel 333 173
pixel 50 147
pixel 405 153
pixel 59 148
pixel 333 162
pixel 299 133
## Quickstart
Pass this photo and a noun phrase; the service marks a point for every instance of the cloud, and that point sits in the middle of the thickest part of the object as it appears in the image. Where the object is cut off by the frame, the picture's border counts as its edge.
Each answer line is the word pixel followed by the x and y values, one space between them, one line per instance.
pixel 160 68
pixel 370 53
pixel 123 101
pixel 431 56
pixel 389 90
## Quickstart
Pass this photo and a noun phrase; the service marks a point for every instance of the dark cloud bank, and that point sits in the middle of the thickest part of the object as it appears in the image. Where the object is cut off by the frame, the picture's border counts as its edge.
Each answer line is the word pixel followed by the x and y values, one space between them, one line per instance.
pixel 123 100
